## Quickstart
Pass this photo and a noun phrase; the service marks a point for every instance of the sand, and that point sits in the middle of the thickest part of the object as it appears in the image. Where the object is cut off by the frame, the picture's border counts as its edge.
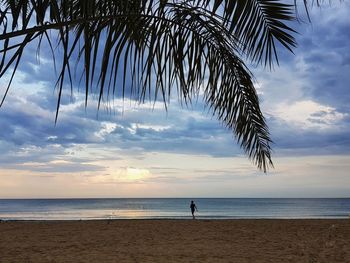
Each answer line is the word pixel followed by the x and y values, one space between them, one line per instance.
pixel 176 241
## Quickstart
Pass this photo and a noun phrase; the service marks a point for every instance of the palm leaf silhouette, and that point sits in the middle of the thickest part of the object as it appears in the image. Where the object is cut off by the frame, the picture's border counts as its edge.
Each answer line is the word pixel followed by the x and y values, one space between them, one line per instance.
pixel 153 48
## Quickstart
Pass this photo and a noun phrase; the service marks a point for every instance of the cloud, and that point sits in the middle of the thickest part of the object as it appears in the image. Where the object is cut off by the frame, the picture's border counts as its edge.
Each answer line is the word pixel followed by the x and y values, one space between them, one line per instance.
pixel 28 125
pixel 306 98
pixel 308 114
pixel 57 167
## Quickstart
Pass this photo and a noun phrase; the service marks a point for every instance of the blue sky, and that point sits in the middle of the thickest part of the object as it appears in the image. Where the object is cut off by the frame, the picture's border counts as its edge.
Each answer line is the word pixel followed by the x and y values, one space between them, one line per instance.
pixel 131 150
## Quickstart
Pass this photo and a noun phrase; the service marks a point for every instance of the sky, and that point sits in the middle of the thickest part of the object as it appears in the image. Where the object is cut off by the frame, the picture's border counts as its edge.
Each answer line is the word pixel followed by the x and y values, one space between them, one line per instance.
pixel 132 150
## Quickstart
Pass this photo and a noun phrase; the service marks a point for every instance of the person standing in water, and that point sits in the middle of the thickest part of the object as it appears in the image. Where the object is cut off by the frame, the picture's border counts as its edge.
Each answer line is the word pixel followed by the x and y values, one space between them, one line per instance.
pixel 193 208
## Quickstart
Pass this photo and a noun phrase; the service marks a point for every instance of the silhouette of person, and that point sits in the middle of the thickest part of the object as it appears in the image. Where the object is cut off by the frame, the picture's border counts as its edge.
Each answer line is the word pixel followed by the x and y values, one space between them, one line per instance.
pixel 193 208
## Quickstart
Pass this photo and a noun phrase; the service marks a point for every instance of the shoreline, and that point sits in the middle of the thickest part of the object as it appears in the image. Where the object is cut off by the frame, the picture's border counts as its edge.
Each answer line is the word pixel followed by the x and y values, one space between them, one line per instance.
pixel 209 208
pixel 174 219
pixel 163 240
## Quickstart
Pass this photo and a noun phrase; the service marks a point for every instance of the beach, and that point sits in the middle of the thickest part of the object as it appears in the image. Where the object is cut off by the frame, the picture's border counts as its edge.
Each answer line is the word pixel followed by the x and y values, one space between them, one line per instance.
pixel 257 240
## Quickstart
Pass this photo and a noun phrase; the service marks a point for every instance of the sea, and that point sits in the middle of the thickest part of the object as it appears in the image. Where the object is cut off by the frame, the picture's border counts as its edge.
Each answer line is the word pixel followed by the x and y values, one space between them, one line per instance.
pixel 174 208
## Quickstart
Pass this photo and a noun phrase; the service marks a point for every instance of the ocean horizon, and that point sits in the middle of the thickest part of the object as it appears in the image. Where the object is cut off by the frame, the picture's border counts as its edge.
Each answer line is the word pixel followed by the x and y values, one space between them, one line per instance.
pixel 173 208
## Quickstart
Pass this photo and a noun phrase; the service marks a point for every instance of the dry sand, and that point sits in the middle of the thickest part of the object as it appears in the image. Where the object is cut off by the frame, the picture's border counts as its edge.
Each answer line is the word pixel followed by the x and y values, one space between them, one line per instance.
pixel 176 241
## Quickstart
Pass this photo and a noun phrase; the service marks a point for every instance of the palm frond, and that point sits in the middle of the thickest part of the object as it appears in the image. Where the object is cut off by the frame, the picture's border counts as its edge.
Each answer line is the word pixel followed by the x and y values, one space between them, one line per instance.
pixel 258 24
pixel 148 48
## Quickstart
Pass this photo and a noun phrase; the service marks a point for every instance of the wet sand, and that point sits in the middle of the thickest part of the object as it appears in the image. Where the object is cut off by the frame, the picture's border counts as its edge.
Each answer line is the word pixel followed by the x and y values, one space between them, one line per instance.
pixel 176 241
